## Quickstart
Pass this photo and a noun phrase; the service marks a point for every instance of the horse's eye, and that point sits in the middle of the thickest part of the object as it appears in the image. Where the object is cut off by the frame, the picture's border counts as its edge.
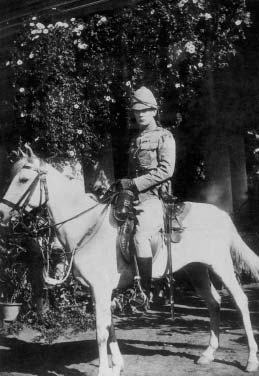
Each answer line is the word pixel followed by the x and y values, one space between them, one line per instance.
pixel 23 180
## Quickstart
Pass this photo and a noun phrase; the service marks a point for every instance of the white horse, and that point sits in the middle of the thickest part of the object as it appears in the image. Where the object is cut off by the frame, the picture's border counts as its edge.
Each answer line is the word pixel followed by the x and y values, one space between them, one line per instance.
pixel 209 239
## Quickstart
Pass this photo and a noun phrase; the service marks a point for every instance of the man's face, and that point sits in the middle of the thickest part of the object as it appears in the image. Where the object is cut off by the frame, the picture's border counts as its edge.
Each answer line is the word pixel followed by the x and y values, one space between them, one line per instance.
pixel 144 117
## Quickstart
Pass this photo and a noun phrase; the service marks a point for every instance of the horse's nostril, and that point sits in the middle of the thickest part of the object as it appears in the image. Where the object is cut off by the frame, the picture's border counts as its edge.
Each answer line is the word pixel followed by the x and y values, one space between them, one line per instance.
pixel 1 216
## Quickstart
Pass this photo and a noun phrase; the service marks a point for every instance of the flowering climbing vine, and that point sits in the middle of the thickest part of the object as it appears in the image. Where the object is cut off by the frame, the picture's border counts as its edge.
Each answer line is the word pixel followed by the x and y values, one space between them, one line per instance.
pixel 73 78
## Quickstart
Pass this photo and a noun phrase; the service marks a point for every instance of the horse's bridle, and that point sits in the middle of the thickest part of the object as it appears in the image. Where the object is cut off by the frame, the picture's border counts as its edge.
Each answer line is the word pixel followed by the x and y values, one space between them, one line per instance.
pixel 24 201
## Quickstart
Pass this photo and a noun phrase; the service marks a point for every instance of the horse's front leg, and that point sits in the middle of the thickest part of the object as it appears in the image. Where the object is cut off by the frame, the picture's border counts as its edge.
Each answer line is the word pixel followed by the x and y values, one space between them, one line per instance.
pixel 104 330
pixel 117 360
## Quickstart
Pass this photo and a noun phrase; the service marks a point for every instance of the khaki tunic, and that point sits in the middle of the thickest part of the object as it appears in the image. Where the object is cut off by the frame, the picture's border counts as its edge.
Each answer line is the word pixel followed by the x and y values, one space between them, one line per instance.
pixel 151 160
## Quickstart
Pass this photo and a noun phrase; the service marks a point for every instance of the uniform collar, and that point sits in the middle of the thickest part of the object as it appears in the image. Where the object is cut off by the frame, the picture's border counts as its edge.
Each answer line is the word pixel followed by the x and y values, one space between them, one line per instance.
pixel 149 129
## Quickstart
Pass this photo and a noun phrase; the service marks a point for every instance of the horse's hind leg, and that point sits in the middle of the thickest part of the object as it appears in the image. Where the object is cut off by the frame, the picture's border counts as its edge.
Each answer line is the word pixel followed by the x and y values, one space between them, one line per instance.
pixel 227 274
pixel 199 276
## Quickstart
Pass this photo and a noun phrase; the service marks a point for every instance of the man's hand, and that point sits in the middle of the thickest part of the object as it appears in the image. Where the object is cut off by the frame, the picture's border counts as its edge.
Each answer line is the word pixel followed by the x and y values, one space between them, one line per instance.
pixel 126 184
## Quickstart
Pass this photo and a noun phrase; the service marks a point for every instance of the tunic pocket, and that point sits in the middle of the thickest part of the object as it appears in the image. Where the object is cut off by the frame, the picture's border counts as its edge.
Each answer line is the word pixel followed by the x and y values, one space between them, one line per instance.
pixel 147 155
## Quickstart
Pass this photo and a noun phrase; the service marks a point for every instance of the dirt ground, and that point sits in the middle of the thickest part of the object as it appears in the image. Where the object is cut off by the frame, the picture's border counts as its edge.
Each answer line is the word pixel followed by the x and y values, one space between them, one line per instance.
pixel 151 344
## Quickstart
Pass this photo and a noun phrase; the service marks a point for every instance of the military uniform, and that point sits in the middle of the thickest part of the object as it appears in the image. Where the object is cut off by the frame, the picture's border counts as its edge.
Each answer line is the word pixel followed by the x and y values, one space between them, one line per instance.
pixel 151 164
pixel 151 161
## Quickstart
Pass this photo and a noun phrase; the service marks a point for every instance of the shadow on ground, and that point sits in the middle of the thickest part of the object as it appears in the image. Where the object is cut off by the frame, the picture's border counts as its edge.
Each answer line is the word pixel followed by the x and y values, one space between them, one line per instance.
pixel 182 338
pixel 32 358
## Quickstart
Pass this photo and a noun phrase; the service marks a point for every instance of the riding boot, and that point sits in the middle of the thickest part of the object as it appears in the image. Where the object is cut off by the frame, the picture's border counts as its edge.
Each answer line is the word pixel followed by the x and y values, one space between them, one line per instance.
pixel 145 272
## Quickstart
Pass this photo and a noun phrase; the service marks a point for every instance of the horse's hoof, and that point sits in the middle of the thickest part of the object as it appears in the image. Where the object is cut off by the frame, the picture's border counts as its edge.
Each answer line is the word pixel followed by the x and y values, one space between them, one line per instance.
pixel 204 360
pixel 116 371
pixel 252 366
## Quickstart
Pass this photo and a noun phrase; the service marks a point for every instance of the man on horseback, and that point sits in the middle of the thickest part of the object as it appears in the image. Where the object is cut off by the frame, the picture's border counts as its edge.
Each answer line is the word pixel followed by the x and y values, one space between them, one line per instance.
pixel 151 166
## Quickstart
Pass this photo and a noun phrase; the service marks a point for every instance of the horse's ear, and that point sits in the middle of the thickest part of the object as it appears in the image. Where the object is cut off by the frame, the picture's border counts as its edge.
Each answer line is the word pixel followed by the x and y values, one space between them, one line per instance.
pixel 14 153
pixel 21 153
pixel 30 153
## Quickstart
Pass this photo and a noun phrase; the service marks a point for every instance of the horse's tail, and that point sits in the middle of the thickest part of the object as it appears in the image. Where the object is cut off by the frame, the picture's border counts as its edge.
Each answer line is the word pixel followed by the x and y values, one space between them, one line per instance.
pixel 243 257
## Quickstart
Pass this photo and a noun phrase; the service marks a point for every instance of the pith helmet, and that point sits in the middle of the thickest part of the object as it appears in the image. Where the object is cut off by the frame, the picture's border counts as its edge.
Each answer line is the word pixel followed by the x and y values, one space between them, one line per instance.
pixel 143 98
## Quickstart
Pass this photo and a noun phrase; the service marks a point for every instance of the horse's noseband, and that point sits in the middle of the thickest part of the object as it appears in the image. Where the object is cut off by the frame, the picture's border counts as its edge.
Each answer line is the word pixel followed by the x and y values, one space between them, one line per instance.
pixel 24 201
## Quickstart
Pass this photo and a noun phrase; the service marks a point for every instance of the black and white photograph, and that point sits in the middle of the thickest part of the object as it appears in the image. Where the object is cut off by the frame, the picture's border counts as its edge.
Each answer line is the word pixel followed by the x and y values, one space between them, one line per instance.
pixel 129 187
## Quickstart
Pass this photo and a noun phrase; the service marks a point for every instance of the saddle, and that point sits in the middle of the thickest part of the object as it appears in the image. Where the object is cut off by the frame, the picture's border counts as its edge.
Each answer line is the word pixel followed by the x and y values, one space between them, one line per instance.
pixel 124 214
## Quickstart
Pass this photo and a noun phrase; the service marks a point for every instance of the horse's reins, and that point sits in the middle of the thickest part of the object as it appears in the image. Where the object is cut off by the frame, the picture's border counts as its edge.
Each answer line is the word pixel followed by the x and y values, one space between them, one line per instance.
pixel 41 177
pixel 25 198
pixel 24 201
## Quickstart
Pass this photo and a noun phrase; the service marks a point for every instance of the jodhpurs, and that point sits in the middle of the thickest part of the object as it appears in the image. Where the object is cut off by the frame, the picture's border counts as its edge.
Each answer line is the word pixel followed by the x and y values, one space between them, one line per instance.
pixel 149 222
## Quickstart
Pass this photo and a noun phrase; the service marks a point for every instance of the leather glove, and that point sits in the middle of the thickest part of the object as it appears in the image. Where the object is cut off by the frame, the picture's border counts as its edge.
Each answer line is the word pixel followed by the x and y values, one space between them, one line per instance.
pixel 126 184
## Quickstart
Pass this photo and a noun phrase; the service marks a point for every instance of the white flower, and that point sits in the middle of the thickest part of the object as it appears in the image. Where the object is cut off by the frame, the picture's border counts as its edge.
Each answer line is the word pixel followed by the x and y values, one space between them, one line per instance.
pixel 102 20
pixel 182 3
pixel 190 47
pixel 7 63
pixel 177 85
pixel 45 31
pixel 238 22
pixel 80 27
pixel 152 11
pixel 82 46
pixel 207 16
pixel 79 131
pixel 65 25
pixel 22 114
pixel 36 37
pixel 169 65
pixel 128 83
pixel 75 41
pixel 21 90
pixel 72 19
pixel 50 26
pixel 32 24
pixel 195 1
pixel 107 98
pixel 200 65
pixel 19 62
pixel 34 18
pixel 71 153
pixel 58 24
pixel 40 26
pixel 76 106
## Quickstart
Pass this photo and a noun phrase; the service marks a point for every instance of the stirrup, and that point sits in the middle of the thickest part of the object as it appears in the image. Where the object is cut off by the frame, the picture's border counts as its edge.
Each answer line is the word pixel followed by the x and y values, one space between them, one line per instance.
pixel 139 299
